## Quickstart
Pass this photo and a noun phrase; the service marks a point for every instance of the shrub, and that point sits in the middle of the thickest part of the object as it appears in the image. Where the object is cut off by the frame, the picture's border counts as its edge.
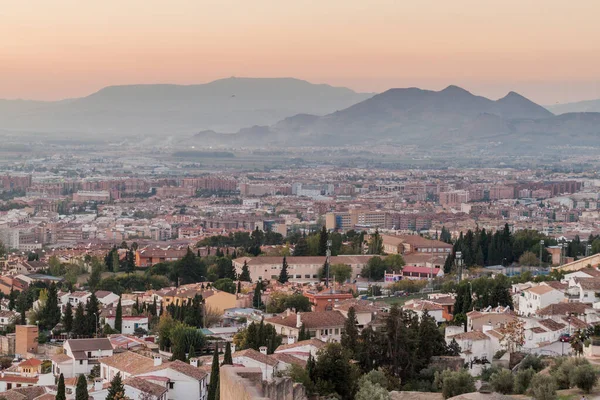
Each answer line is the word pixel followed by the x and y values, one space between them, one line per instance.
pixel 454 383
pixel 543 387
pixel 487 372
pixel 563 368
pixel 502 381
pixel 498 355
pixel 584 377
pixel 532 361
pixel 523 380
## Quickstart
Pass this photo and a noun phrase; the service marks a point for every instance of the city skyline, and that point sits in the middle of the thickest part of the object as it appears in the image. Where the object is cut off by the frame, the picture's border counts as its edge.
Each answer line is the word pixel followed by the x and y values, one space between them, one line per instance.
pixel 70 49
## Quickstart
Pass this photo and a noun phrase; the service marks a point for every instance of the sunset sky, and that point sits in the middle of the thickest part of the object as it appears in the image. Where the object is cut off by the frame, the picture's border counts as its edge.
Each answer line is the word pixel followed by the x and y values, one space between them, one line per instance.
pixel 548 50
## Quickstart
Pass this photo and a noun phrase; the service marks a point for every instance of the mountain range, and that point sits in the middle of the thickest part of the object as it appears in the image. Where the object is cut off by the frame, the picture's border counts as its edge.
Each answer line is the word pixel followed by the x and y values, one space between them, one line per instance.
pixel 580 106
pixel 224 105
pixel 433 119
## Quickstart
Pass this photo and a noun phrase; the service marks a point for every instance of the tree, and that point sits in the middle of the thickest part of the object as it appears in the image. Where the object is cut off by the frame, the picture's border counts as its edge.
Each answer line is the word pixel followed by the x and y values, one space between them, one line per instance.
pixel 303 334
pixel 453 348
pixel 375 243
pixel 370 391
pixel 283 275
pixel 51 311
pixel 227 359
pixel 374 269
pixel 12 298
pixel 323 239
pixel 226 285
pixel 81 392
pixel 116 390
pixel 301 248
pixel 245 275
pixel 257 298
pixel 60 391
pixel 79 324
pixel 584 377
pixel 130 261
pixel 95 275
pixel 454 383
pixel 119 317
pixel 213 386
pixel 334 373
pixel 92 315
pixel 394 262
pixel 350 335
pixel 523 380
pixel 340 272
pixel 68 318
pixel 514 336
pixel 502 381
pixel 529 259
pixel 189 269
pixel 543 387
pixel 431 341
pixel 115 261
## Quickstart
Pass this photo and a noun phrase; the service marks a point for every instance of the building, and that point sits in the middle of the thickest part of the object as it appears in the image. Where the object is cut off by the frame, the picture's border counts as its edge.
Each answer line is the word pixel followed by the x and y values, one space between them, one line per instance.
pixel 421 273
pixel 129 325
pixel 409 244
pixel 149 256
pixel 326 300
pixel 238 383
pixel 419 307
pixel 80 356
pixel 538 297
pixel 26 339
pixel 323 325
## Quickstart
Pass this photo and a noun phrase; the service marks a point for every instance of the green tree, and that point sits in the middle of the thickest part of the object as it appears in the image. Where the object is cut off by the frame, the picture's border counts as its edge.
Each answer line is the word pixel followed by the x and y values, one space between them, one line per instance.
pixel 67 319
pixel 394 262
pixel 115 261
pixel 119 317
pixel 301 248
pixel 61 391
pixel 371 391
pixel 51 311
pixel 95 275
pixel 323 239
pixel 334 373
pixel 12 299
pixel 454 383
pixel 81 392
pixel 350 335
pixel 189 269
pixel 375 243
pixel 245 275
pixel 374 269
pixel 529 259
pixel 257 298
pixel 116 389
pixel 543 387
pixel 584 377
pixel 283 275
pixel 502 381
pixel 226 285
pixel 303 334
pixel 523 380
pixel 213 386
pixel 431 341
pixel 92 315
pixel 79 324
pixel 227 359
pixel 130 261
pixel 340 272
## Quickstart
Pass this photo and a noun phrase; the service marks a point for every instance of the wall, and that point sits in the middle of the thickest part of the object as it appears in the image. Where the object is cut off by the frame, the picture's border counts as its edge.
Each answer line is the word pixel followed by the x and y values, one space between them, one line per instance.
pixel 580 264
pixel 246 384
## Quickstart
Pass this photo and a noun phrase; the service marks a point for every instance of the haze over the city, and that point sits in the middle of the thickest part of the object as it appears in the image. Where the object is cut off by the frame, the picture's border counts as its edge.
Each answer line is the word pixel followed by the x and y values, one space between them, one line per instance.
pixel 548 51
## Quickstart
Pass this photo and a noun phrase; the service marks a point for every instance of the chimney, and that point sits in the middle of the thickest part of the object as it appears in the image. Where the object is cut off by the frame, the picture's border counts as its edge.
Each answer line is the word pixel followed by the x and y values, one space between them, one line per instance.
pixel 194 362
pixel 288 312
pixel 291 340
pixel 97 384
pixel 263 350
pixel 157 361
pixel 298 321
pixel 232 348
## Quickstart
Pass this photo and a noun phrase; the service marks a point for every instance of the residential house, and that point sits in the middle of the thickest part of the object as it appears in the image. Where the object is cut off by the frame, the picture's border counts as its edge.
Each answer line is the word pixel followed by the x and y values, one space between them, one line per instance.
pixel 135 388
pixel 538 297
pixel 26 374
pixel 326 300
pixel 107 298
pixel 79 297
pixel 302 349
pixel 324 325
pixel 251 358
pixel 365 310
pixel 7 318
pixel 80 356
pixel 583 290
pixel 129 325
pixel 419 307
pixel 498 317
pixel 474 345
pixel 421 273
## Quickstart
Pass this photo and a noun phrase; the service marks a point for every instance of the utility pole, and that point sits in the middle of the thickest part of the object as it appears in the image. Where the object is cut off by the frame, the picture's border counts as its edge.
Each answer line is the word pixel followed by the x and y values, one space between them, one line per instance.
pixel 327 255
pixel 459 264
pixel 541 251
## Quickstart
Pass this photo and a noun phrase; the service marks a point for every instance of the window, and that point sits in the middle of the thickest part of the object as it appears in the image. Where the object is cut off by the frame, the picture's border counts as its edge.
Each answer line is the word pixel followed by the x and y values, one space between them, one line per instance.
pixel 315 276
pixel 298 276
pixel 307 276
pixel 89 354
pixel 337 331
pixel 171 384
pixel 80 362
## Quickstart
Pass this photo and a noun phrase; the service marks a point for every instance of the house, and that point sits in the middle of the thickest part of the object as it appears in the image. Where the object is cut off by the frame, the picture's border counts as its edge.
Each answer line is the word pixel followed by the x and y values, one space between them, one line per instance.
pixel 538 297
pixel 446 302
pixel 474 345
pixel 364 310
pixel 251 358
pixel 582 273
pixel 129 325
pixel 302 349
pixel 421 273
pixel 324 325
pixel 127 363
pixel 79 297
pixel 409 244
pixel 557 311
pixel 419 307
pixel 135 388
pixel 7 318
pixel 497 317
pixel 80 356
pixel 26 374
pixel 583 290
pixel 326 300
pixel 107 298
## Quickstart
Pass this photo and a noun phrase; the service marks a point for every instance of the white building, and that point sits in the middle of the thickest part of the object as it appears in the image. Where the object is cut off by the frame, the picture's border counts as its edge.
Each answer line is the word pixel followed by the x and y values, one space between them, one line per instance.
pixel 80 356
pixel 129 324
pixel 538 297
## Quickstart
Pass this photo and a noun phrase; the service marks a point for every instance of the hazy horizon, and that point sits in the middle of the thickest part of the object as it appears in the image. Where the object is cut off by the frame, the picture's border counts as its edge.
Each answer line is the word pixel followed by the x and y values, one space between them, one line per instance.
pixel 542 49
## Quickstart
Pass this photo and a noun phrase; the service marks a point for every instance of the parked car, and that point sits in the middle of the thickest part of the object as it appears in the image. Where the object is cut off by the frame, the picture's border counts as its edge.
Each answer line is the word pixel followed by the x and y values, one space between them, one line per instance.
pixel 565 337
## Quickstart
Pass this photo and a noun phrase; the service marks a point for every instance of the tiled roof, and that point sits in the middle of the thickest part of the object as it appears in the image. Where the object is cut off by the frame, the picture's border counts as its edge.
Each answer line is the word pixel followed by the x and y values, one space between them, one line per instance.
pixel 472 335
pixel 32 362
pixel 359 305
pixel 289 359
pixel 311 320
pixel 551 324
pixel 61 358
pixel 310 342
pixel 89 344
pixel 575 322
pixel 255 355
pixel 145 386
pixel 102 293
pixel 180 367
pixel 538 329
pixel 422 305
pixel 557 285
pixel 564 309
pixel 129 362
pixel 588 283
pixel 540 289
pixel 420 270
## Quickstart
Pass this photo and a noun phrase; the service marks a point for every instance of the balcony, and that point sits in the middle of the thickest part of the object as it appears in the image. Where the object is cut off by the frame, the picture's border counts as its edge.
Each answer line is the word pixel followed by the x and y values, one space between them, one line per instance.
pixel 572 294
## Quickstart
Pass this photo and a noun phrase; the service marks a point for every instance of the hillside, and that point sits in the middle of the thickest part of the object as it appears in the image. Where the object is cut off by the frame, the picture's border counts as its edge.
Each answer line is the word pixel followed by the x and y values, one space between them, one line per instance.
pixel 223 105
pixel 580 106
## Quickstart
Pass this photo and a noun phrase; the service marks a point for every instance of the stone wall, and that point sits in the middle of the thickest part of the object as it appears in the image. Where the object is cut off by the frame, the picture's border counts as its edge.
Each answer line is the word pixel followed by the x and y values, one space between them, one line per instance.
pixel 239 383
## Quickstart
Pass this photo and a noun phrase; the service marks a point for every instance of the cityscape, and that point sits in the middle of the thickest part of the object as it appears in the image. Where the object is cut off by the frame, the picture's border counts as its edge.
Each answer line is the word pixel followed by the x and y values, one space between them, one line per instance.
pixel 181 219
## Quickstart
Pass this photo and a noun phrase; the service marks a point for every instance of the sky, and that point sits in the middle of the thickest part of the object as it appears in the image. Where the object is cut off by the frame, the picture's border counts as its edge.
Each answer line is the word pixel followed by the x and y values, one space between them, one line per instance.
pixel 547 50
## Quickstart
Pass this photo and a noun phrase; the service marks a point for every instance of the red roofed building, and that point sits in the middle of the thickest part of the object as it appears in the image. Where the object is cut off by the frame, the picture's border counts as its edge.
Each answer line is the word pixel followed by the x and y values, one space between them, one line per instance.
pixel 419 273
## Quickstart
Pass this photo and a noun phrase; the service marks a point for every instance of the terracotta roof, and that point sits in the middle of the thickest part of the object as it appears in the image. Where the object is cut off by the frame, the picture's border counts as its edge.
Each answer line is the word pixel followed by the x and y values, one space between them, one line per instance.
pixel 575 322
pixel 180 367
pixel 18 379
pixel 46 396
pixel 311 320
pixel 359 305
pixel 551 324
pixel 564 309
pixel 422 305
pixel 557 285
pixel 129 362
pixel 32 362
pixel 289 359
pixel 444 301
pixel 310 342
pixel 588 283
pixel 420 270
pixel 145 386
pixel 495 333
pixel 102 293
pixel 61 358
pixel 472 335
pixel 591 272
pixel 538 329
pixel 540 289
pixel 24 393
pixel 89 344
pixel 256 355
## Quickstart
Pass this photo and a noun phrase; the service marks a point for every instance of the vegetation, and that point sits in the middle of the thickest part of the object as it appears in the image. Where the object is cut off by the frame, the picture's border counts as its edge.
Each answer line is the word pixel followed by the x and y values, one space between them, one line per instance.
pixel 254 336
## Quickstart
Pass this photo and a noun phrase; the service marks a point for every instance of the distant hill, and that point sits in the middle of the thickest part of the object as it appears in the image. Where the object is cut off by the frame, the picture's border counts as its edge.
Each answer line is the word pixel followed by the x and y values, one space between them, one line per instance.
pixel 446 119
pixel 223 105
pixel 580 106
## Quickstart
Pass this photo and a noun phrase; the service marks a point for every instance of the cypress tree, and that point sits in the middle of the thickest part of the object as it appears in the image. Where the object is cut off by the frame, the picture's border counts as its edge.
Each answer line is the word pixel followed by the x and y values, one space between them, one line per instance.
pixel 81 392
pixel 227 359
pixel 119 317
pixel 256 299
pixel 115 261
pixel 79 328
pixel 51 312
pixel 12 297
pixel 60 391
pixel 153 311
pixel 323 238
pixel 239 287
pixel 350 335
pixel 68 318
pixel 301 248
pixel 92 315
pixel 116 390
pixel 191 352
pixel 303 333
pixel 283 275
pixel 245 275
pixel 213 387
